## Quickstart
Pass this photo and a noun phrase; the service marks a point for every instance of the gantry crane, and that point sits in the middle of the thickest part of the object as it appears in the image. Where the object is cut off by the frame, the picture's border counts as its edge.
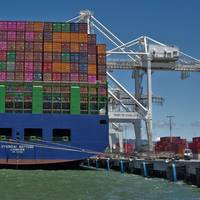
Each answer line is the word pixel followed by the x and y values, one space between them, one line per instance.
pixel 142 56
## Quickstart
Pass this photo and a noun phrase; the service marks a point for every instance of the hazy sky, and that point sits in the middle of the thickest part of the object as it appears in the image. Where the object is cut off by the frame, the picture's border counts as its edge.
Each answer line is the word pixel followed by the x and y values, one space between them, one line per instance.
pixel 171 22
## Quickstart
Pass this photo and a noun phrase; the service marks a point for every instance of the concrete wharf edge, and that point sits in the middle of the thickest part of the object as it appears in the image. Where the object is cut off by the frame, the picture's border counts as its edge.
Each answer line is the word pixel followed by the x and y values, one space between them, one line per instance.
pixel 176 170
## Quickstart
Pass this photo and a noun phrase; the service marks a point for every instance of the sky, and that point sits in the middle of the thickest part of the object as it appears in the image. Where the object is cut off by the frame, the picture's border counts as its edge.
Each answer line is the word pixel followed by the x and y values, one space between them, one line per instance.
pixel 170 22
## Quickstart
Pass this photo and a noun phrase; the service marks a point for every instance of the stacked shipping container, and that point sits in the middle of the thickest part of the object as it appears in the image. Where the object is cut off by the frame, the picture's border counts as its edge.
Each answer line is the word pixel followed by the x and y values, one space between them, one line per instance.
pixel 58 57
pixel 195 145
pixel 171 144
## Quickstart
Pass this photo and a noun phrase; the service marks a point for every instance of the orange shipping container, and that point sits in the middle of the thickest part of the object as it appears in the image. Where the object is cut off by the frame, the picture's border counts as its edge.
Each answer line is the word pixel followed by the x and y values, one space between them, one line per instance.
pixel 74 37
pixel 38 26
pixel 74 47
pixel 92 69
pixel 56 47
pixel 101 49
pixel 65 37
pixel 65 67
pixel 83 37
pixel 56 67
pixel 47 47
pixel 57 37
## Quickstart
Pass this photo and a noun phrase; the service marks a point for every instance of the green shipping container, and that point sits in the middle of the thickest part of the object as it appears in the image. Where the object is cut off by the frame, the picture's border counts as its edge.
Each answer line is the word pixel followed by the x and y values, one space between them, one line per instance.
pixel 66 27
pixel 75 100
pixel 2 98
pixel 57 27
pixel 65 57
pixel 11 56
pixel 10 66
pixel 37 100
pixel 2 66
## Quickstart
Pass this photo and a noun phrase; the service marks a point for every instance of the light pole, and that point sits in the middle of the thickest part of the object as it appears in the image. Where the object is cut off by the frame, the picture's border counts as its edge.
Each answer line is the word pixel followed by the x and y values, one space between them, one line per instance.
pixel 170 117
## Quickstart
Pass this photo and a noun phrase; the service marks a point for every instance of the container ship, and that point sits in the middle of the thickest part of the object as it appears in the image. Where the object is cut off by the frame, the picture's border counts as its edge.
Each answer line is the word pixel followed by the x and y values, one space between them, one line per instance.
pixel 53 94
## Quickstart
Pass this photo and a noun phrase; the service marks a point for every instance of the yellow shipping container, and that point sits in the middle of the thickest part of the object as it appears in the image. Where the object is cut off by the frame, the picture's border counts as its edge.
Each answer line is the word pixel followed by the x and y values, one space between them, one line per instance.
pixel 74 37
pixel 38 26
pixel 65 37
pixel 101 48
pixel 83 38
pixel 56 67
pixel 56 47
pixel 47 47
pixel 57 37
pixel 92 69
pixel 65 67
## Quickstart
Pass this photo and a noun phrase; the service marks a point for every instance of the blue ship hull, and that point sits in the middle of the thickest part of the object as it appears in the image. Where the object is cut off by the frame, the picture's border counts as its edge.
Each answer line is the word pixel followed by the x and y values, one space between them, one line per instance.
pixel 88 137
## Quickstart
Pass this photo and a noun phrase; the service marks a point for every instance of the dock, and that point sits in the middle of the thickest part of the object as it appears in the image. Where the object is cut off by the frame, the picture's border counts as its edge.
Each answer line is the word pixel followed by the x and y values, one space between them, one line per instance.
pixel 172 170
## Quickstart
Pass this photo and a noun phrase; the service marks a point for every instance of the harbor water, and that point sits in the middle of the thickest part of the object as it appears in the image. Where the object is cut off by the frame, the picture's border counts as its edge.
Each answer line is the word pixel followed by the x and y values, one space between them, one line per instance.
pixel 89 185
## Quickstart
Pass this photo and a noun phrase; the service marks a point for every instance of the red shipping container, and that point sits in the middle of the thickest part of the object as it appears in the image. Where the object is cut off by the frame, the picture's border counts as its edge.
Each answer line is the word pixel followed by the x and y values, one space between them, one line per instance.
pixel 92 79
pixel 20 36
pixel 29 26
pixel 37 66
pixel 196 139
pixel 19 56
pixel 83 47
pixel 19 76
pixel 56 76
pixel 92 49
pixel 56 57
pixel 92 59
pixel 91 38
pixel 19 66
pixel 65 77
pixel 47 57
pixel 29 46
pixel 74 77
pixel 3 26
pixel 20 26
pixel 12 26
pixel 47 67
pixel 38 46
pixel 3 36
pixel 11 46
pixel 2 55
pixel 28 76
pixel 38 37
pixel 12 36
pixel 2 76
pixel 37 56
pixel 29 36
pixel 29 56
pixel 74 67
pixel 3 46
pixel 29 67
pixel 19 46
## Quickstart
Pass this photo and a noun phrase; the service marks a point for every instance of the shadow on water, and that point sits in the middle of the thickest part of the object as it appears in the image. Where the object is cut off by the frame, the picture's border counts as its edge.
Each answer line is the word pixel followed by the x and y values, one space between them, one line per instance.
pixel 53 166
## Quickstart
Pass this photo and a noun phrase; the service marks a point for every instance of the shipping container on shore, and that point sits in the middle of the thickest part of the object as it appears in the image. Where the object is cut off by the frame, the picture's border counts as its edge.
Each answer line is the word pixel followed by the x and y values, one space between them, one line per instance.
pixel 39 59
pixel 195 145
pixel 171 144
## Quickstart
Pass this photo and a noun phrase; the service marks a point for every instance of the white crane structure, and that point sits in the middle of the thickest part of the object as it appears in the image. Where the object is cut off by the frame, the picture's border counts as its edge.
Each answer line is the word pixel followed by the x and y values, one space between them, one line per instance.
pixel 142 56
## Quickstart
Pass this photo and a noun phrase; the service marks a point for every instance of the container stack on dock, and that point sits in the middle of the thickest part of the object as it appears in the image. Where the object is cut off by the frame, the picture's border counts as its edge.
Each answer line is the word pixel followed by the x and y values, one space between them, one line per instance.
pixel 195 147
pixel 171 144
pixel 48 67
